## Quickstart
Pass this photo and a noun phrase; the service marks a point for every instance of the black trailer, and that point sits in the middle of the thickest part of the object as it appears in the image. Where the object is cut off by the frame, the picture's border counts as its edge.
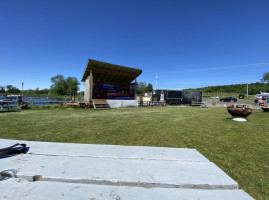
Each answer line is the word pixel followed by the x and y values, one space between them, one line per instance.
pixel 177 97
pixel 171 97
pixel 192 97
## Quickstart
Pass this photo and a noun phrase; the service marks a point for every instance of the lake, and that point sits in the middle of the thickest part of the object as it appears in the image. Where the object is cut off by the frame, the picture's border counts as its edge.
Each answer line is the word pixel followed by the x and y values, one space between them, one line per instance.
pixel 35 101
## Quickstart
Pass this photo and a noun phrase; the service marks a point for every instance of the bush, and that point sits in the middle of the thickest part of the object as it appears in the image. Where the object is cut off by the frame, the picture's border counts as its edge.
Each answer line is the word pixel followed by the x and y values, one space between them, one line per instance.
pixel 55 106
pixel 45 107
pixel 65 106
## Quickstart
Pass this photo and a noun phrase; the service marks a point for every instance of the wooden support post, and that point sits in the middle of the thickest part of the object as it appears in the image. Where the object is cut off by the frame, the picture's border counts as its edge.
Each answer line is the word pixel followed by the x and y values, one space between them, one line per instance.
pixel 88 88
pixel 247 90
pixel 91 86
pixel 135 85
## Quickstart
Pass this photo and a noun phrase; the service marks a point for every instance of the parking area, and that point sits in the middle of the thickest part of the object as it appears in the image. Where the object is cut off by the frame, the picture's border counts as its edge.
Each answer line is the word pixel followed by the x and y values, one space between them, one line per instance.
pixel 218 103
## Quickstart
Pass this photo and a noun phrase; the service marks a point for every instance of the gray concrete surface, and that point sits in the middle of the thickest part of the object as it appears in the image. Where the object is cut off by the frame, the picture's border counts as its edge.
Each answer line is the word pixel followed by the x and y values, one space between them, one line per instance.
pixel 129 172
pixel 109 151
pixel 86 171
pixel 22 189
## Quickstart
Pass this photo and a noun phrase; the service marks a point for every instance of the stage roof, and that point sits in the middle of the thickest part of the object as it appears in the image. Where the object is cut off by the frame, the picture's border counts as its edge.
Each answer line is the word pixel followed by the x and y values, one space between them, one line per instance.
pixel 110 73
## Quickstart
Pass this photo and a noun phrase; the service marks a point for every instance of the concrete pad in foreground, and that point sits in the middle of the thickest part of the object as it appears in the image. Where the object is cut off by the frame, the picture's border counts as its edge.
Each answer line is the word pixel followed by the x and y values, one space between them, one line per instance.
pixel 109 151
pixel 22 189
pixel 125 172
pixel 129 172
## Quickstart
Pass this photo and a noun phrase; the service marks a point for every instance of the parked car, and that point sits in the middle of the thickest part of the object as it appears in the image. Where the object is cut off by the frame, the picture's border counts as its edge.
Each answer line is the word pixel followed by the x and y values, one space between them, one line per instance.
pixel 229 99
pixel 241 96
pixel 216 97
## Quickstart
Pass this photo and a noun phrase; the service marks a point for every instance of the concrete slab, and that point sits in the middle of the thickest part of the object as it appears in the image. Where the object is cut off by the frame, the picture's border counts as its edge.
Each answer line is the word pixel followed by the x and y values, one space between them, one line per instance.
pixel 22 189
pixel 109 151
pixel 128 172
pixel 112 172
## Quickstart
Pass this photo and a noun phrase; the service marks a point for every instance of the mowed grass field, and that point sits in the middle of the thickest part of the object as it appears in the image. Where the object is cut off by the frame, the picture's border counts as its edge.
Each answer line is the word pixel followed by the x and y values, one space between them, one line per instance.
pixel 241 149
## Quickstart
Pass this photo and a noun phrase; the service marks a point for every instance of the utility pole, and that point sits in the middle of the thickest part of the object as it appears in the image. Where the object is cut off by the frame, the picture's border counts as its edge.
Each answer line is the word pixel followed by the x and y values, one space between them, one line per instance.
pixel 247 90
pixel 22 89
pixel 156 81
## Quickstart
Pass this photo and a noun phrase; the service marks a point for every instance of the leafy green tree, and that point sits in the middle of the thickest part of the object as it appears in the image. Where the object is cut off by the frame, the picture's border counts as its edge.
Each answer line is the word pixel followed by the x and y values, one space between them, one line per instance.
pixel 44 91
pixel 149 87
pixel 62 86
pixel 58 85
pixel 141 87
pixel 72 86
pixel 2 89
pixel 37 91
pixel 12 89
pixel 265 77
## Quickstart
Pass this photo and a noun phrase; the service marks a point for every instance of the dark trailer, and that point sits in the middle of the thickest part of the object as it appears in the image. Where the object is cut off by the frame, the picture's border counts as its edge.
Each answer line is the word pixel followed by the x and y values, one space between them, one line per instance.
pixel 192 97
pixel 171 97
pixel 176 97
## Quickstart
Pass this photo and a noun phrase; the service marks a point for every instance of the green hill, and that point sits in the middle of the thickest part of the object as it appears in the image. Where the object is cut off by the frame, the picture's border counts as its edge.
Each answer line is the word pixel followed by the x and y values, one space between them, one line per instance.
pixel 253 88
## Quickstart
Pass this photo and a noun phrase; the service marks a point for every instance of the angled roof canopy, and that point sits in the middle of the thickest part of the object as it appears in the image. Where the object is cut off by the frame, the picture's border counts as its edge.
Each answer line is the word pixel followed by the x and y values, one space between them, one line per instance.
pixel 110 73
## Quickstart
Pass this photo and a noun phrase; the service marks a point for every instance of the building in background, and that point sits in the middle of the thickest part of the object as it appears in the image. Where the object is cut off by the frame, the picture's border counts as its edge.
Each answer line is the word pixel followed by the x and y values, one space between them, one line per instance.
pixel 109 81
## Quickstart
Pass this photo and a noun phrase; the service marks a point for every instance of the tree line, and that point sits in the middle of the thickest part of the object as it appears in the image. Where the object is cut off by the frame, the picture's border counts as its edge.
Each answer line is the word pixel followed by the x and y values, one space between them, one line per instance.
pixel 59 86
pixel 64 86
pixel 143 87
pixel 69 86
pixel 253 88
pixel 10 89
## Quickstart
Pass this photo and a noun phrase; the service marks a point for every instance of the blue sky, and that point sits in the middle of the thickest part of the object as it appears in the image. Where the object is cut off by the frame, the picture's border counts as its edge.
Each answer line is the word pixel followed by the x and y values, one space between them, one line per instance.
pixel 188 43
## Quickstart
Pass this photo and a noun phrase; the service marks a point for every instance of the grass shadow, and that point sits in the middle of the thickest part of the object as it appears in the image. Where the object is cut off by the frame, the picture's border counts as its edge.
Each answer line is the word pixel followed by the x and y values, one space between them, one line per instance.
pixel 7 111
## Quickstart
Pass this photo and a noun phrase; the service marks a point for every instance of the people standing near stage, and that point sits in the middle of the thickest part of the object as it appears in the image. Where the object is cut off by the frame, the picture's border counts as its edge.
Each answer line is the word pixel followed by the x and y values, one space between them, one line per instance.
pixel 261 102
pixel 256 101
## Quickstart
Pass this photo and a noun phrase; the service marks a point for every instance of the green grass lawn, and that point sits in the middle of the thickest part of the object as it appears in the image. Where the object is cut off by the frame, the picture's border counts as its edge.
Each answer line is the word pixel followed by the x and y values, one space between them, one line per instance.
pixel 241 149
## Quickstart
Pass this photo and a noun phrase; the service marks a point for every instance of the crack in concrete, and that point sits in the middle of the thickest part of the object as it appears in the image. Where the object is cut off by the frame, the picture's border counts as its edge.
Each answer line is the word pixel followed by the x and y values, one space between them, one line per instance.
pixel 113 157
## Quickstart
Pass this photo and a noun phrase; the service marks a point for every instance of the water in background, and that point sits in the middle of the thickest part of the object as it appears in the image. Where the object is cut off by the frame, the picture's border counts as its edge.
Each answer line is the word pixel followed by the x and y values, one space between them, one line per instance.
pixel 35 101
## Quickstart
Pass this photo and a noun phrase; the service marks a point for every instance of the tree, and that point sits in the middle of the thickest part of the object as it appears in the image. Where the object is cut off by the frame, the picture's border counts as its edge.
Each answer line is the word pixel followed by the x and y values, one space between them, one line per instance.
pixel 72 86
pixel 62 86
pixel 37 91
pixel 2 89
pixel 141 88
pixel 265 77
pixel 45 91
pixel 58 85
pixel 12 90
pixel 149 87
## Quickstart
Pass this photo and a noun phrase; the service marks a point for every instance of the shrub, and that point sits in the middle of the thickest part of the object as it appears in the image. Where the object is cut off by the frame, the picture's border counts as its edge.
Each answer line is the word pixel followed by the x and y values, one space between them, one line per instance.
pixel 45 107
pixel 65 106
pixel 55 106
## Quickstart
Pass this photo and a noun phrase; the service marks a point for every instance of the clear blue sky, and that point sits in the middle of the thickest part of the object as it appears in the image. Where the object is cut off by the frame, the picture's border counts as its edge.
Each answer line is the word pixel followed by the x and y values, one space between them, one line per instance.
pixel 188 43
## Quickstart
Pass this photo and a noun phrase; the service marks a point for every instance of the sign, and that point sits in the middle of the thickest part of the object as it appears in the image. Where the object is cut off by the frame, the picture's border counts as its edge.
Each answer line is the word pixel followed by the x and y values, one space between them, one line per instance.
pixel 108 87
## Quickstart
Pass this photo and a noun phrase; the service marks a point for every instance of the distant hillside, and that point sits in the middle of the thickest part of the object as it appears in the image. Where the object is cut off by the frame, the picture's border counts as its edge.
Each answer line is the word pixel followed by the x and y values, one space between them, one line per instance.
pixel 253 88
